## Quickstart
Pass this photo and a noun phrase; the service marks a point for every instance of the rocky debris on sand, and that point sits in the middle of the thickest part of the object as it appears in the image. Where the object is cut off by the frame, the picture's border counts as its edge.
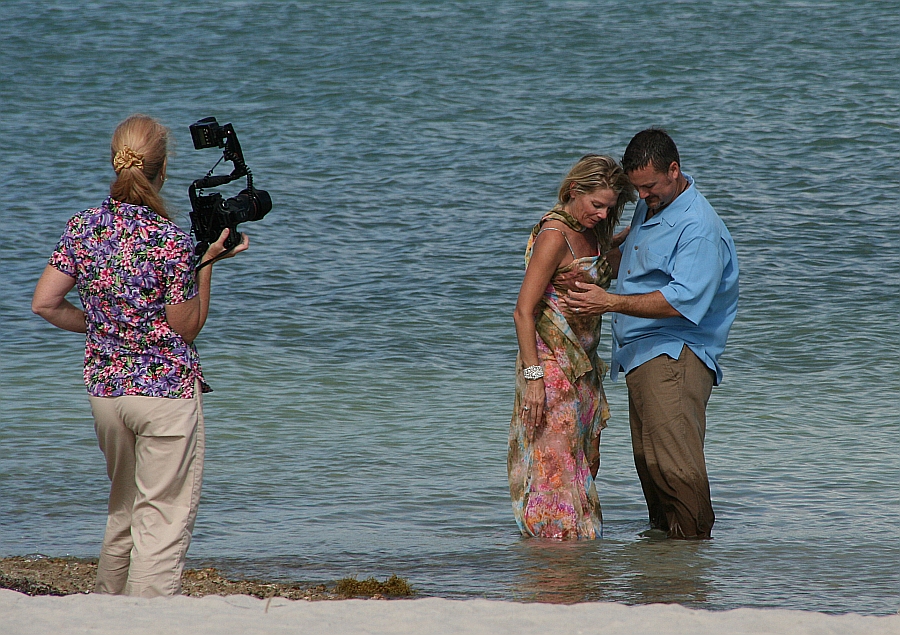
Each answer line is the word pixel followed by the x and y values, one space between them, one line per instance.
pixel 40 575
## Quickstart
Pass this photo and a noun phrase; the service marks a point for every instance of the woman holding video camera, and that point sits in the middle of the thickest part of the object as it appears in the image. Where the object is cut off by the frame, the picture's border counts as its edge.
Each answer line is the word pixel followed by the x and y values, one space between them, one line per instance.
pixel 145 299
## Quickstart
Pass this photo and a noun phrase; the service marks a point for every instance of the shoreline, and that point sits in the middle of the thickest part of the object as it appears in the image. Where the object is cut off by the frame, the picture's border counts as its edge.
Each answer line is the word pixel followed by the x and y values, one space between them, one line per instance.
pixel 60 600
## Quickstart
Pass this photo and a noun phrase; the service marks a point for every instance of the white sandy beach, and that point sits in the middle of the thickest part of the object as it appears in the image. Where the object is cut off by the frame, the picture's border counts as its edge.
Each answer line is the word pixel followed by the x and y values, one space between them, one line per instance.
pixel 242 615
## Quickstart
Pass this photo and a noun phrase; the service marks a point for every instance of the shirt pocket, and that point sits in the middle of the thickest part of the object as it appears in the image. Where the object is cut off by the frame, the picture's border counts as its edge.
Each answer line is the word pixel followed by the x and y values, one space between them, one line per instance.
pixel 649 260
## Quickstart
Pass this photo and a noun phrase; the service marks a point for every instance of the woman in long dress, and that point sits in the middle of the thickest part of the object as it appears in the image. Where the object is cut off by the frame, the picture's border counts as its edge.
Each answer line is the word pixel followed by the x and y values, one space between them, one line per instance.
pixel 560 407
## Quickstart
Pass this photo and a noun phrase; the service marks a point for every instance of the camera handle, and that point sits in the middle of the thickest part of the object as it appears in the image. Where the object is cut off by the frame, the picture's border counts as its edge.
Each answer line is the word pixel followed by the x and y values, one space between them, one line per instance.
pixel 214 181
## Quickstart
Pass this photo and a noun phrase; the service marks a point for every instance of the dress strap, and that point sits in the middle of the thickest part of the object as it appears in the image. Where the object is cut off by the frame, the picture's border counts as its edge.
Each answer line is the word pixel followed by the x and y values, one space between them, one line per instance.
pixel 565 238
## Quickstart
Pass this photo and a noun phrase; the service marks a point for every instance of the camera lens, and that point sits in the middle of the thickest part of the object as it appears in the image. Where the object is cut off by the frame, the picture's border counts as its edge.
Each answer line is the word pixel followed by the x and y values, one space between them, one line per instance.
pixel 247 206
pixel 262 204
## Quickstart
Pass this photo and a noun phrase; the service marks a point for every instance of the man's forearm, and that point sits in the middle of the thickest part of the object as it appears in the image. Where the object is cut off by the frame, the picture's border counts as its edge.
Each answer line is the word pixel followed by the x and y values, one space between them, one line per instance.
pixel 645 305
pixel 590 299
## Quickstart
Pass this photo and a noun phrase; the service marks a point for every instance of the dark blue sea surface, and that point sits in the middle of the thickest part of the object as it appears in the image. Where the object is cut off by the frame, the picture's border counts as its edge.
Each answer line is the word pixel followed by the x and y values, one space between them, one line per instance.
pixel 362 350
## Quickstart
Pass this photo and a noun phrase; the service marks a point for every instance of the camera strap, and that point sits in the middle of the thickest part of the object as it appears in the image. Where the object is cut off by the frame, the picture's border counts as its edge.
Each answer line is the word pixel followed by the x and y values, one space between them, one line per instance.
pixel 212 260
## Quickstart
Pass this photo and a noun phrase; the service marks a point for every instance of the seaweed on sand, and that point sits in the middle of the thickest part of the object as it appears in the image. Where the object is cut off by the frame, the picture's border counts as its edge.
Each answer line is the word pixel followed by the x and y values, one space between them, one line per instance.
pixel 394 586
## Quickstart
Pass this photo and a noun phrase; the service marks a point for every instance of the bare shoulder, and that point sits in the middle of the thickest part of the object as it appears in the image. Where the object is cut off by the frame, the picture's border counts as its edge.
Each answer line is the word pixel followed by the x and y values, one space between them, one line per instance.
pixel 554 238
pixel 555 224
pixel 550 247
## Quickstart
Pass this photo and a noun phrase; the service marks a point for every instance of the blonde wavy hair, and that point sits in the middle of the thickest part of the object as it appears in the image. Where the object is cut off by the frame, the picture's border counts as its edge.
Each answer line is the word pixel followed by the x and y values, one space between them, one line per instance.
pixel 138 153
pixel 594 172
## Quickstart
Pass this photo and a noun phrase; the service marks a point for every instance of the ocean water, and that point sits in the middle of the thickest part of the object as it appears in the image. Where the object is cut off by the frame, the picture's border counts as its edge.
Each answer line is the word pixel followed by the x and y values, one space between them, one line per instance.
pixel 362 350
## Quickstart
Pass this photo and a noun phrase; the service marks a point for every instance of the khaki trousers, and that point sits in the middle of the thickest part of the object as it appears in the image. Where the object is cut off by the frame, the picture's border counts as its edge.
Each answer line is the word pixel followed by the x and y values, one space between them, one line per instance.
pixel 154 450
pixel 667 407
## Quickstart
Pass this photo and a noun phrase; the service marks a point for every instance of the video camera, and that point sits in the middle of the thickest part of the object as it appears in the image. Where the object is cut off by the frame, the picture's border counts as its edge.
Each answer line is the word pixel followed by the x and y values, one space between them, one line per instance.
pixel 212 213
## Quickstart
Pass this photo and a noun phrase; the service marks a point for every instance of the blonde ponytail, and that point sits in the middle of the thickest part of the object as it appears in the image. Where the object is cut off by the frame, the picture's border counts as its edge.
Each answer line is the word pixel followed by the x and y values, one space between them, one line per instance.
pixel 138 154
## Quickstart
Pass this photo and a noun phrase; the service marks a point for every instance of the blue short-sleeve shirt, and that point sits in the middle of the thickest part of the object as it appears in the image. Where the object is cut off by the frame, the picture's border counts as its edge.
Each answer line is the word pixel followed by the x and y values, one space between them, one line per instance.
pixel 687 254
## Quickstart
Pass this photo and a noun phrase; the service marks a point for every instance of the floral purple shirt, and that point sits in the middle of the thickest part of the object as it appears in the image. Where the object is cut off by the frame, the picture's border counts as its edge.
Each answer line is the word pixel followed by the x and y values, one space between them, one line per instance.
pixel 128 263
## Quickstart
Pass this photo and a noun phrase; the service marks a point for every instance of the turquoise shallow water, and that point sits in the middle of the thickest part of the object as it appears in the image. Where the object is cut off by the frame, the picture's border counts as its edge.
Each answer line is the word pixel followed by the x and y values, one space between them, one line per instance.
pixel 362 351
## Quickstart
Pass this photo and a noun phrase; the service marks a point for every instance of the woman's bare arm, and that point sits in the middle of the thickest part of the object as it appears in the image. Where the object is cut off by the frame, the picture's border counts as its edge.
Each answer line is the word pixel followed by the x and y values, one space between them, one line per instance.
pixel 188 318
pixel 49 301
pixel 549 250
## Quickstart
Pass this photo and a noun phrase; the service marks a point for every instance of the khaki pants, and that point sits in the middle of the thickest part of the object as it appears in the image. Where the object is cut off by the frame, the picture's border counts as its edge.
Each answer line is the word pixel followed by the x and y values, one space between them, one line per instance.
pixel 667 407
pixel 154 458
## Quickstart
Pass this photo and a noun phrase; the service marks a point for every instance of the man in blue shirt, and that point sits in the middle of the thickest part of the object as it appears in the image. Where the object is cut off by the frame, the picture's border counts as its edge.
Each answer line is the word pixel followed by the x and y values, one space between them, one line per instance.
pixel 675 301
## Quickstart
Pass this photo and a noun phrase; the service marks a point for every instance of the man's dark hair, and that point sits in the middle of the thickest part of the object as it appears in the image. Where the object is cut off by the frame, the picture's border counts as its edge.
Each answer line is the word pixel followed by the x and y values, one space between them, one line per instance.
pixel 652 146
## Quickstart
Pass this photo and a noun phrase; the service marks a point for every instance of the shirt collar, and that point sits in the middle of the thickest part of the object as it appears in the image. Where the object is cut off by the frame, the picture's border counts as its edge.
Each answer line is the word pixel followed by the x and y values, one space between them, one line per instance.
pixel 676 207
pixel 125 209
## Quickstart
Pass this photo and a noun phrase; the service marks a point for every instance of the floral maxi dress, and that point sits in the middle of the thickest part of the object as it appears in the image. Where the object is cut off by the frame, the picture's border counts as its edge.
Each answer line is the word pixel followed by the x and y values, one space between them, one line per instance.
pixel 550 482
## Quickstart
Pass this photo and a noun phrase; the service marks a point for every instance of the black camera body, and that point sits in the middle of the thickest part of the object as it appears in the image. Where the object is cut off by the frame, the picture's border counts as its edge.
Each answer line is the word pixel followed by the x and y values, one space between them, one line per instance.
pixel 212 213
